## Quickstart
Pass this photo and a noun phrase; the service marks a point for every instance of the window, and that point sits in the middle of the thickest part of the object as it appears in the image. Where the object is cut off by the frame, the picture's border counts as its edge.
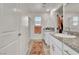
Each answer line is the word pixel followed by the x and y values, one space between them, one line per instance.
pixel 75 20
pixel 38 21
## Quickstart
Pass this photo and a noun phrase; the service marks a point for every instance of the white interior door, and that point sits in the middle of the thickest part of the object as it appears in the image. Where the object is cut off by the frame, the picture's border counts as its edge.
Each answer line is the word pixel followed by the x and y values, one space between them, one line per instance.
pixel 9 30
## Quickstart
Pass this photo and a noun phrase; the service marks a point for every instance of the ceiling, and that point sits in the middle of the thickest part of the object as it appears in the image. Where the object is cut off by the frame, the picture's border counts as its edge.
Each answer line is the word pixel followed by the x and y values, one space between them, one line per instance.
pixel 29 7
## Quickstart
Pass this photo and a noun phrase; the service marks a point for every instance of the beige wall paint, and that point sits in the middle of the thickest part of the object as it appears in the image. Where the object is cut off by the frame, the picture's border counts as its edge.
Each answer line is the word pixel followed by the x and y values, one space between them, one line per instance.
pixel 68 22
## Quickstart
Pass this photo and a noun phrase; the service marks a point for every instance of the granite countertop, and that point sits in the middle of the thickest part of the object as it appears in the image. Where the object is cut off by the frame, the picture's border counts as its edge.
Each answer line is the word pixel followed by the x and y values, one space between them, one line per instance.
pixel 72 43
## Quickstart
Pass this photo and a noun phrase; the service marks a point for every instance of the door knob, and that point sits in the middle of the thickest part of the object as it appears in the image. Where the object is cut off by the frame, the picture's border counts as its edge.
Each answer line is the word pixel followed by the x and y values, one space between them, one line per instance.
pixel 19 34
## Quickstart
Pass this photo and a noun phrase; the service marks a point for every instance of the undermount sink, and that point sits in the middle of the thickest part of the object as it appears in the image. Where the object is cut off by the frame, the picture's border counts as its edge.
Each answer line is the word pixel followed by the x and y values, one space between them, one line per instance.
pixel 64 35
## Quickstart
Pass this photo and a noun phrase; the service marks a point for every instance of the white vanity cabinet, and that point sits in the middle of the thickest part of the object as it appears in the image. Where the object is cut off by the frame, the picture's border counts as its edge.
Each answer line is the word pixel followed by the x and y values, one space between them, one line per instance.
pixel 58 47
pixel 55 48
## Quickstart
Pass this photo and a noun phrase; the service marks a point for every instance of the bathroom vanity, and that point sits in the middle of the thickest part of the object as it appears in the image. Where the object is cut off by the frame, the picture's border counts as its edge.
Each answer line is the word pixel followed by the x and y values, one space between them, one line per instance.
pixel 62 46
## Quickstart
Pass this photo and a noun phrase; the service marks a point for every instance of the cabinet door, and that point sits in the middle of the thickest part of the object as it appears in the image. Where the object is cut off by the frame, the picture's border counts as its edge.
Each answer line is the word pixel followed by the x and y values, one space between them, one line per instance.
pixel 56 50
pixel 56 46
pixel 47 38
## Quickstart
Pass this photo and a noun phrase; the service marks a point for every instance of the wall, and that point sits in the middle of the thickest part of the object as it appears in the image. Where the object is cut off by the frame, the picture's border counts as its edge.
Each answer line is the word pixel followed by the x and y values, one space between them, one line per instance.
pixel 49 20
pixel 68 22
